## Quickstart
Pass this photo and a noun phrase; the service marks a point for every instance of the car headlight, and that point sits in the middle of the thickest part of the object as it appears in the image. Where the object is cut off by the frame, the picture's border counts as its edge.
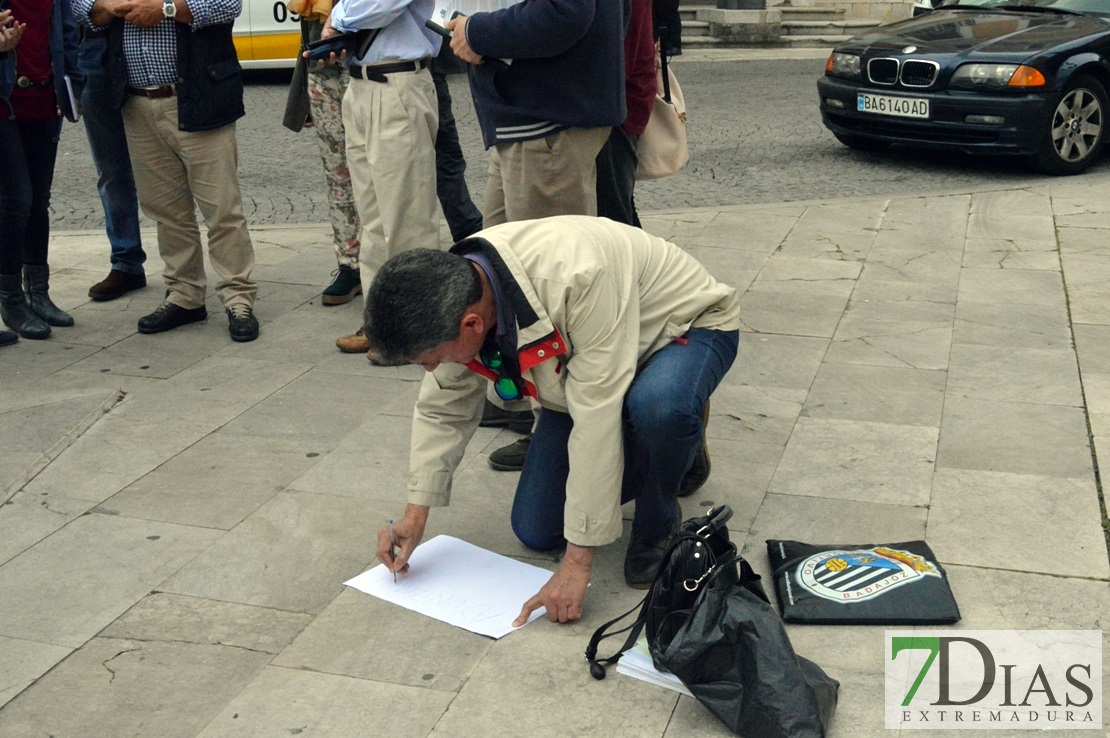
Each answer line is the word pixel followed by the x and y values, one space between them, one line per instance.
pixel 842 65
pixel 983 75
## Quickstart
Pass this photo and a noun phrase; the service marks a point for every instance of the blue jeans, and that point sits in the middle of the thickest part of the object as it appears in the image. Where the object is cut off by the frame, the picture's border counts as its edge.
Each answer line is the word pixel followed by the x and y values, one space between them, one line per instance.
pixel 108 143
pixel 662 433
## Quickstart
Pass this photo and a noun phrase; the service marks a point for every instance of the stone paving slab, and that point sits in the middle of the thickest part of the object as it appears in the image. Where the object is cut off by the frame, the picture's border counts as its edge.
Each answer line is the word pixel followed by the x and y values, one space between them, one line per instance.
pixel 90 572
pixel 1044 516
pixel 857 460
pixel 1011 325
pixel 172 618
pixel 281 702
pixel 22 662
pixel 118 687
pixel 29 518
pixel 1017 437
pixel 918 367
pixel 877 394
pixel 293 553
pixel 904 333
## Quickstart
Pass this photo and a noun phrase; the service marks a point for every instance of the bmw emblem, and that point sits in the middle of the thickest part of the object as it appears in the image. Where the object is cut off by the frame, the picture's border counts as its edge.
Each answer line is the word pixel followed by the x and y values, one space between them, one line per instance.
pixel 909 49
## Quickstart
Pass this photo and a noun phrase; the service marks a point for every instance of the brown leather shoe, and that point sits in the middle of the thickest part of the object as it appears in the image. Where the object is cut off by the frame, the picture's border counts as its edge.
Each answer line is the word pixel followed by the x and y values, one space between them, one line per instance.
pixel 116 284
pixel 356 343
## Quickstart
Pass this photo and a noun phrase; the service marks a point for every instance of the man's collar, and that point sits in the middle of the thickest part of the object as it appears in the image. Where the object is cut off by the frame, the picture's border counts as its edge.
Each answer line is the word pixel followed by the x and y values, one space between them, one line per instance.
pixel 523 311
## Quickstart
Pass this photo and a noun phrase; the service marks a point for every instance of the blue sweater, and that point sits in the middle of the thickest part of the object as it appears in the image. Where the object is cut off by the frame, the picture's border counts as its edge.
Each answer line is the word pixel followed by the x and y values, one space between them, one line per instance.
pixel 566 69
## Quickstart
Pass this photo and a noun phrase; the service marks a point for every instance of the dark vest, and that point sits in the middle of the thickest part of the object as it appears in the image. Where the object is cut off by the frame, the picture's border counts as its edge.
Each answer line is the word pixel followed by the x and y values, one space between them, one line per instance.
pixel 209 78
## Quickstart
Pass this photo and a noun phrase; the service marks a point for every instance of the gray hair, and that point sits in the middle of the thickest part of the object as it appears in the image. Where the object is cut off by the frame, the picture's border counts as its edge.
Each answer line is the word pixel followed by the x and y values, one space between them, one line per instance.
pixel 416 302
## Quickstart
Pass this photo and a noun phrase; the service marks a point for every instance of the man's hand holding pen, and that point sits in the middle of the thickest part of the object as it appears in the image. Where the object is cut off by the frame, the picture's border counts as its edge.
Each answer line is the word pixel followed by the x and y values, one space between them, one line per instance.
pixel 397 541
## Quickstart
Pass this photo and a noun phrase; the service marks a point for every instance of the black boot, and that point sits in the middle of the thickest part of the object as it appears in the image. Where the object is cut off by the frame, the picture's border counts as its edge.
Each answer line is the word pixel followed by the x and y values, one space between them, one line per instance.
pixel 37 279
pixel 15 311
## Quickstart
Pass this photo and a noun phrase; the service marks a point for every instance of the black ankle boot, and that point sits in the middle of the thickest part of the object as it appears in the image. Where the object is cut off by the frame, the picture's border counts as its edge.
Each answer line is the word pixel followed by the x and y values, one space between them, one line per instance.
pixel 37 279
pixel 15 311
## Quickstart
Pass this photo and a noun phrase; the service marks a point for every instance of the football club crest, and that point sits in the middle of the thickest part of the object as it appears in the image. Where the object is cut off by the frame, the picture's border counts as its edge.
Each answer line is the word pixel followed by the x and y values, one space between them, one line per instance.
pixel 855 576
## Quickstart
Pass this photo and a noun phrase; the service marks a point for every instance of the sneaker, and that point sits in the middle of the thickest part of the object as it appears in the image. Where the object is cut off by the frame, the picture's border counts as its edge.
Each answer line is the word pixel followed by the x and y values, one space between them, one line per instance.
pixel 345 286
pixel 495 417
pixel 698 473
pixel 168 316
pixel 241 323
pixel 116 284
pixel 643 560
pixel 356 343
pixel 511 457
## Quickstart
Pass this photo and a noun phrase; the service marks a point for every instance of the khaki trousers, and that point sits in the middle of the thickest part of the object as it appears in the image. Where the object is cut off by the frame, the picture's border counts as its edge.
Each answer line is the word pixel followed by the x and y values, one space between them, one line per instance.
pixel 555 175
pixel 175 169
pixel 391 134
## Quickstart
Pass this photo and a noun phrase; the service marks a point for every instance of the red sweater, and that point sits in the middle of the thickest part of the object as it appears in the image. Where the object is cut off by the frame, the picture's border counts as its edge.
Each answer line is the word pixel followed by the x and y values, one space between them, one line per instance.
pixel 639 68
pixel 36 103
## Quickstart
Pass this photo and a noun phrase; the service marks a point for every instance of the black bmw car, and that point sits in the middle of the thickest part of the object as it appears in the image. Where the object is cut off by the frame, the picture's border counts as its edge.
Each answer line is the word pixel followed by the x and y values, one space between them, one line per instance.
pixel 1025 77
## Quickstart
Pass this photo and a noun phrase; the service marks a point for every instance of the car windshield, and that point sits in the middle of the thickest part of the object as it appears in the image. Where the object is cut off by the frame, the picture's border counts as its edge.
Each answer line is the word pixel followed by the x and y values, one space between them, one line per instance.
pixel 1089 7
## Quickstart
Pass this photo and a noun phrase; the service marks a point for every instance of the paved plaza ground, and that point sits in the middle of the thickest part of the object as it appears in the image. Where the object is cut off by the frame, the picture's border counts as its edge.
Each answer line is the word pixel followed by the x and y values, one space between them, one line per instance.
pixel 182 511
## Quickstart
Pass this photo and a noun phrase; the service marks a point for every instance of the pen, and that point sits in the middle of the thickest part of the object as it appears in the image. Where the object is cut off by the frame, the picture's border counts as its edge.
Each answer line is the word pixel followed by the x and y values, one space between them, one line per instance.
pixel 392 551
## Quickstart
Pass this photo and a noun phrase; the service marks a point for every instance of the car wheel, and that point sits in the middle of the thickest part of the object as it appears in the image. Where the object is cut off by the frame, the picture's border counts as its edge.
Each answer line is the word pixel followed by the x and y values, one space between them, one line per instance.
pixel 1076 129
pixel 861 144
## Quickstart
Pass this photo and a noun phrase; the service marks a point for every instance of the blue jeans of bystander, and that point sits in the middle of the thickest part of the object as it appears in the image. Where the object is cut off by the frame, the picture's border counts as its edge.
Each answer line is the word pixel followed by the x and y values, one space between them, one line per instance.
pixel 108 143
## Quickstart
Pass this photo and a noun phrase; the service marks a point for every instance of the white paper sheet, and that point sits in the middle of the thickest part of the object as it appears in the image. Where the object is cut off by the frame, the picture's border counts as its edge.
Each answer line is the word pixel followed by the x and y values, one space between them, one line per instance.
pixel 461 584
pixel 636 663
pixel 445 9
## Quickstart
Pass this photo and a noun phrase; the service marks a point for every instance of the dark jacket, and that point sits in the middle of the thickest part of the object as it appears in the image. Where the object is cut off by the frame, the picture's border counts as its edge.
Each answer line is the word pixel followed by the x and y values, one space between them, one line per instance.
pixel 567 68
pixel 209 78
pixel 297 111
pixel 63 60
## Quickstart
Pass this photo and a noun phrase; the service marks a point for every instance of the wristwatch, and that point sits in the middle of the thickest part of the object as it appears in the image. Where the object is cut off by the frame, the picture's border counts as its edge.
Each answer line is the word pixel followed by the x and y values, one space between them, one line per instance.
pixel 169 9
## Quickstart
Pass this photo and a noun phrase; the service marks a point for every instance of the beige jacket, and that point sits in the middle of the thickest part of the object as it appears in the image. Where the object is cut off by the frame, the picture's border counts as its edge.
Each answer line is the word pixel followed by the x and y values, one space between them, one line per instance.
pixel 593 300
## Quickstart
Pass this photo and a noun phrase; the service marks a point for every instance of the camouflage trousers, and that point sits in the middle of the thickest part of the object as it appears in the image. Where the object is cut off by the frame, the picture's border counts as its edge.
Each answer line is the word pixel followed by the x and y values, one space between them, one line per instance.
pixel 325 100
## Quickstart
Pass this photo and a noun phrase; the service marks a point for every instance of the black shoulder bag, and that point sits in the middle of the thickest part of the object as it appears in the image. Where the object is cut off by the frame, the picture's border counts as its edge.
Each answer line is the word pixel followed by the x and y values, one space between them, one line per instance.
pixel 708 622
pixel 700 545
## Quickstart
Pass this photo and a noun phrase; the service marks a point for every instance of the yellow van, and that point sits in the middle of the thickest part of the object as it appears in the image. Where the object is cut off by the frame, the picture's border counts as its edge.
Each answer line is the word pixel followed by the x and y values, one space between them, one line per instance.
pixel 267 35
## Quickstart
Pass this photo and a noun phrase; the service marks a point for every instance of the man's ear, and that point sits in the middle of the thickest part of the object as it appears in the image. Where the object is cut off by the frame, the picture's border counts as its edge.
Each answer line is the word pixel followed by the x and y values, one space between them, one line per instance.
pixel 472 323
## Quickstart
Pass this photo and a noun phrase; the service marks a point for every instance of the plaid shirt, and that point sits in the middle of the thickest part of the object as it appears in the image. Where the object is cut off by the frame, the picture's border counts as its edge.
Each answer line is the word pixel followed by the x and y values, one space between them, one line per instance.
pixel 151 53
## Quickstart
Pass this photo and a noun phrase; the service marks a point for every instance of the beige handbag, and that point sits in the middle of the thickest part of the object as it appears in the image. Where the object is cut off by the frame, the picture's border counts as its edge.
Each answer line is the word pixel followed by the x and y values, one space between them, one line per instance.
pixel 662 148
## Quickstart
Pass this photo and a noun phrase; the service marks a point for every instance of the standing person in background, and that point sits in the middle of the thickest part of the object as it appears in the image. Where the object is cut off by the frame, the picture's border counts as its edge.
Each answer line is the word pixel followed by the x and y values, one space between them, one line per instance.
pixel 33 99
pixel 115 181
pixel 10 34
pixel 547 77
pixel 173 69
pixel 390 116
pixel 462 215
pixel 616 164
pixel 668 27
pixel 316 93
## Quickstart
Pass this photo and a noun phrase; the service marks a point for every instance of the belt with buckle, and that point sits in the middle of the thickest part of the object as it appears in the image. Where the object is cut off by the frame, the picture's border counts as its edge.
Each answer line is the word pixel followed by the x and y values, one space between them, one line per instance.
pixel 156 93
pixel 25 81
pixel 377 72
